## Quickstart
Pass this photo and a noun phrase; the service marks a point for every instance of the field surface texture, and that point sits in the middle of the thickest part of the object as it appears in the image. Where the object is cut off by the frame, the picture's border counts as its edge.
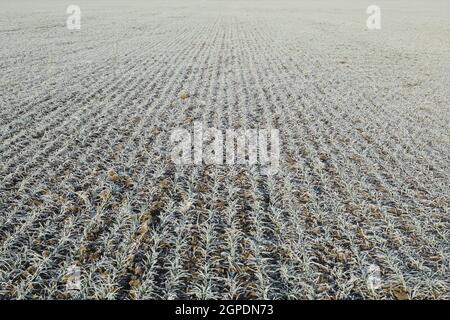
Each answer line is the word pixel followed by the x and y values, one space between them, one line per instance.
pixel 361 196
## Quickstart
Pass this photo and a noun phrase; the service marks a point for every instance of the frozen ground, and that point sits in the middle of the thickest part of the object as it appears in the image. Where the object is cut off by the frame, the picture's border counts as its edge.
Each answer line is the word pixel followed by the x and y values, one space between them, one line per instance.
pixel 86 178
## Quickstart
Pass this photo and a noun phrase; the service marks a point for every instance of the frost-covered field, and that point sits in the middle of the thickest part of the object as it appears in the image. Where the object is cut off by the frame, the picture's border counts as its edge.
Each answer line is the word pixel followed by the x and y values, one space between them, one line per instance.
pixel 359 208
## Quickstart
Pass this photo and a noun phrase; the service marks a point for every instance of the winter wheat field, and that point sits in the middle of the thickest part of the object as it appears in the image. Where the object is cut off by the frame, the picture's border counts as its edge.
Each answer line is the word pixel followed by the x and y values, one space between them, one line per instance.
pixel 93 205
